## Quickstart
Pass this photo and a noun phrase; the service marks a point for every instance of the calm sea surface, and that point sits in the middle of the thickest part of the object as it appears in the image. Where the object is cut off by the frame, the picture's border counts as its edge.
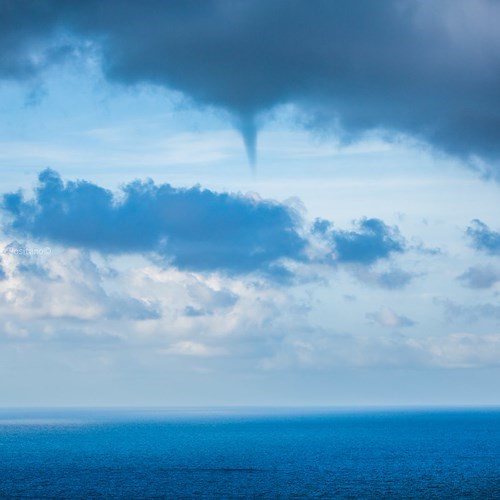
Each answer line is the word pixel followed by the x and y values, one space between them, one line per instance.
pixel 250 453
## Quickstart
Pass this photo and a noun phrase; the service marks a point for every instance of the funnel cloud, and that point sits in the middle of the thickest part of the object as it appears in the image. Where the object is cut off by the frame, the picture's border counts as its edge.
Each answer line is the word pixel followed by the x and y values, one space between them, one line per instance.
pixel 429 71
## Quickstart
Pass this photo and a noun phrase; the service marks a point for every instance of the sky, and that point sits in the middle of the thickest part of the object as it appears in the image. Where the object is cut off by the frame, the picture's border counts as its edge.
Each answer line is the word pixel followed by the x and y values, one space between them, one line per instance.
pixel 249 203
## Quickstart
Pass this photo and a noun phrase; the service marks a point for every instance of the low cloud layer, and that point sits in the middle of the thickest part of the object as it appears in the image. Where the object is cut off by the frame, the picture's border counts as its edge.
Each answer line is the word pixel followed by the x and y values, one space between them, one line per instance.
pixel 480 277
pixel 470 313
pixel 66 299
pixel 192 229
pixel 372 240
pixel 427 70
pixel 483 238
pixel 68 288
pixel 387 318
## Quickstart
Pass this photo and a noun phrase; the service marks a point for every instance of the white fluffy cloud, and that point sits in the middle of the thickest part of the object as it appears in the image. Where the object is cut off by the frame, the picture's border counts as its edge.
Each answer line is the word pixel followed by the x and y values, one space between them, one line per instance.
pixel 71 296
pixel 386 317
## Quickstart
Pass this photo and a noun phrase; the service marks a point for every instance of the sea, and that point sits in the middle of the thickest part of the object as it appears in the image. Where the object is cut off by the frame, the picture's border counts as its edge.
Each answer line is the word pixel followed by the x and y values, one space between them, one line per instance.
pixel 250 453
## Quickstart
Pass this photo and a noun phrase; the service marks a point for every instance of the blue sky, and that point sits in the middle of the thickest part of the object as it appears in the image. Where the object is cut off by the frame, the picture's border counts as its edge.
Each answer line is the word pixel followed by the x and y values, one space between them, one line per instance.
pixel 249 203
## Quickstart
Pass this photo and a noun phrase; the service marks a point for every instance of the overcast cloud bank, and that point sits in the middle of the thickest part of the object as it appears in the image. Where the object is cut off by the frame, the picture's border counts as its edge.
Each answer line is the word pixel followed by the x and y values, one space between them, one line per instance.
pixel 430 71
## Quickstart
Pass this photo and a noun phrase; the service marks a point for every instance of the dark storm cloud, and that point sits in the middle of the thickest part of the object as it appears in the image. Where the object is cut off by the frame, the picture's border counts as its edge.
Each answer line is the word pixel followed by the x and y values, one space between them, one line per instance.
pixel 28 38
pixel 427 69
pixel 483 238
pixel 192 229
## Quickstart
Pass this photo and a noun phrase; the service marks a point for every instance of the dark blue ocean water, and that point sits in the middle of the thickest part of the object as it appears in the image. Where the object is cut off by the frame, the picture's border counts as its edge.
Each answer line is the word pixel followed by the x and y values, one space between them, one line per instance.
pixel 250 453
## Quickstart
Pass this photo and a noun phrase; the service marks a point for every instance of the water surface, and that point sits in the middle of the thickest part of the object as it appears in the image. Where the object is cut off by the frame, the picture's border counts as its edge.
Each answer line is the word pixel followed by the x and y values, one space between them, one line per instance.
pixel 231 453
